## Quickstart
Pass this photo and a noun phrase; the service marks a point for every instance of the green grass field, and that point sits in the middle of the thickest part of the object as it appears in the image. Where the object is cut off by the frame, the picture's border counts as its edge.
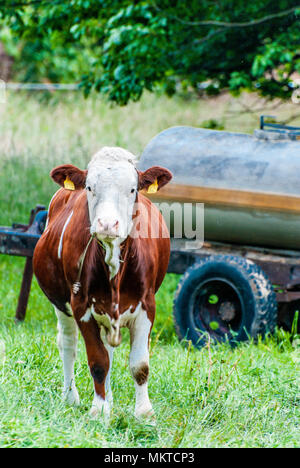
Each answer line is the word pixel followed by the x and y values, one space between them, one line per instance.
pixel 215 397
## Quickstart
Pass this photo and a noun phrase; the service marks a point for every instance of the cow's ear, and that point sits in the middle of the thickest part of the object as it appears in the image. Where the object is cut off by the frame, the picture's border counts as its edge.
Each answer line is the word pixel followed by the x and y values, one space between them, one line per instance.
pixel 154 178
pixel 69 176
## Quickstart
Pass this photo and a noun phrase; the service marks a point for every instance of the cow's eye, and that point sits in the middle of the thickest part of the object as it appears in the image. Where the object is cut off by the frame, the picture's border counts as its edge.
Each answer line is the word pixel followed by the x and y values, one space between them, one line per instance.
pixel 89 188
pixel 132 190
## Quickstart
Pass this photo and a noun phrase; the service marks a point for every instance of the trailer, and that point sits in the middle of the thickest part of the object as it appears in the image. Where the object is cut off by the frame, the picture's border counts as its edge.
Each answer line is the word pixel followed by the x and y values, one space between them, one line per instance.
pixel 245 278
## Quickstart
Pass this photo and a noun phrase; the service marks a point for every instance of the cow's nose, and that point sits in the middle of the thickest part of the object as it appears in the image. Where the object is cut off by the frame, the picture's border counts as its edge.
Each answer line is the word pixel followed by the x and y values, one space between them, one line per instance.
pixel 108 228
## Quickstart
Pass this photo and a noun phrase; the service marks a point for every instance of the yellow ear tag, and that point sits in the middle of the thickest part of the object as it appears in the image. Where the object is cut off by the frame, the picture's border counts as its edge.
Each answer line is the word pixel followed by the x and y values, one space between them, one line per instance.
pixel 153 187
pixel 68 184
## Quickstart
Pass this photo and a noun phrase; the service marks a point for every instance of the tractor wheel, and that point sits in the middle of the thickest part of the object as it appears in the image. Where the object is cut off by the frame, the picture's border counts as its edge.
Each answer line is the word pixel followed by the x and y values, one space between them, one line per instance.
pixel 226 296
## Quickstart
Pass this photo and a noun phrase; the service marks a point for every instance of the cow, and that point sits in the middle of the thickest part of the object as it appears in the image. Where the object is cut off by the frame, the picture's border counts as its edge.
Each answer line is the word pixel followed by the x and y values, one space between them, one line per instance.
pixel 99 274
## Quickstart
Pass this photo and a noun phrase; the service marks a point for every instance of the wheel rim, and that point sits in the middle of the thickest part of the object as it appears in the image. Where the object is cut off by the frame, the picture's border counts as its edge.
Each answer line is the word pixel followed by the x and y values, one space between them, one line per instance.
pixel 218 308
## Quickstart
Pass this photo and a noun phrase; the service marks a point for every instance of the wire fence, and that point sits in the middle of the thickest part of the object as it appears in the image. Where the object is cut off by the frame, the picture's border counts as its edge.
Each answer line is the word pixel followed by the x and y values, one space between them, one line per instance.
pixel 42 86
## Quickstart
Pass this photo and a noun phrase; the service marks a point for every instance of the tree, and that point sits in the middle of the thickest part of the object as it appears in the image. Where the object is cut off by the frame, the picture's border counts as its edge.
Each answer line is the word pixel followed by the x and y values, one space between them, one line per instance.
pixel 138 45
pixel 6 62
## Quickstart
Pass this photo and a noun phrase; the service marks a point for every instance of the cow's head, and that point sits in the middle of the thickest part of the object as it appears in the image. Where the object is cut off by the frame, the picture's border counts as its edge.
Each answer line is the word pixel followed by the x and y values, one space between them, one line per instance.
pixel 111 182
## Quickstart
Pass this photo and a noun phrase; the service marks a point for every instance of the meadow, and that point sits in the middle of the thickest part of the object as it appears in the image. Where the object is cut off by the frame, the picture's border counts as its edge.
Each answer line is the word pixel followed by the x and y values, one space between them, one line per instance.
pixel 247 396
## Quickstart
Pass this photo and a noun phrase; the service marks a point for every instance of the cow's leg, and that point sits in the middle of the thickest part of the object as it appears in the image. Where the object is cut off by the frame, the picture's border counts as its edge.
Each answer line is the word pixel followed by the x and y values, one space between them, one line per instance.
pixel 110 350
pixel 139 362
pixel 98 360
pixel 67 344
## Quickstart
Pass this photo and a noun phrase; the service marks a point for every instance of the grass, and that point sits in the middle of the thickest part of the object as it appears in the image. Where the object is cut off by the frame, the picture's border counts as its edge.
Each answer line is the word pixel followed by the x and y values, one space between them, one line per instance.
pixel 214 397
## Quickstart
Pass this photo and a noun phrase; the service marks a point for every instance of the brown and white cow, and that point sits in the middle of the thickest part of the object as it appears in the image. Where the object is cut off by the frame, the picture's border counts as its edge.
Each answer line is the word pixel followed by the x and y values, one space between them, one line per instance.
pixel 99 276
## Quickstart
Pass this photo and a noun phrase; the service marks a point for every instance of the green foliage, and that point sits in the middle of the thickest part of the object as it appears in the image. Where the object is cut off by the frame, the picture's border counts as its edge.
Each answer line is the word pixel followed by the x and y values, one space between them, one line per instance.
pixel 122 48
pixel 213 124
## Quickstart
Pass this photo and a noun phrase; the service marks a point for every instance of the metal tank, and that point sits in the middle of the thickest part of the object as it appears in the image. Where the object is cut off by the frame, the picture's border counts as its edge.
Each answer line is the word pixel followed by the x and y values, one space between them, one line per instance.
pixel 249 184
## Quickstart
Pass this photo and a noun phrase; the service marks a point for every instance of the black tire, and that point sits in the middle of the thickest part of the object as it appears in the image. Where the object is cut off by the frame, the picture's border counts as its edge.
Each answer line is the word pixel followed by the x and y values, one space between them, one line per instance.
pixel 229 297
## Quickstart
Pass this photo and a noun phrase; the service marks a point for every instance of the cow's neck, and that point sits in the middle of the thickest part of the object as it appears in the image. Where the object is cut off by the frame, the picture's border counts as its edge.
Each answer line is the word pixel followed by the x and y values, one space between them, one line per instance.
pixel 117 267
pixel 112 256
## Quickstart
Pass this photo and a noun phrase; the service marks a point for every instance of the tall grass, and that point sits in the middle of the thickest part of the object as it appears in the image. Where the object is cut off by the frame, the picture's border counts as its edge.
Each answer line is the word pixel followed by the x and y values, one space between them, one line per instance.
pixel 214 397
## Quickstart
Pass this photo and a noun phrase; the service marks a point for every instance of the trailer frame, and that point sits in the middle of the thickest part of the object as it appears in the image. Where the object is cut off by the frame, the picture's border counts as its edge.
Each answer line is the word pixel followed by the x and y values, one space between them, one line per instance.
pixel 281 266
pixel 20 240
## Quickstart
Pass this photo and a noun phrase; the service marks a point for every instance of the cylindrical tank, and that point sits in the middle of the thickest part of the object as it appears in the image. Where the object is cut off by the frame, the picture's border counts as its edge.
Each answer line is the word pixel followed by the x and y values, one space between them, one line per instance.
pixel 250 185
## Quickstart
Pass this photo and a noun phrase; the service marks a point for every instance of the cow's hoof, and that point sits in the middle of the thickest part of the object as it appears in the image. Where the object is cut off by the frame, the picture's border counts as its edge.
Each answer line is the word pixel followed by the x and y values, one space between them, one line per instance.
pixel 145 414
pixel 100 409
pixel 71 397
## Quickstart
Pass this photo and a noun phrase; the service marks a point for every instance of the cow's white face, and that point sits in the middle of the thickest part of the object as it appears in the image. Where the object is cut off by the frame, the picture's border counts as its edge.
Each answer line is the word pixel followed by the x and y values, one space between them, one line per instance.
pixel 111 193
